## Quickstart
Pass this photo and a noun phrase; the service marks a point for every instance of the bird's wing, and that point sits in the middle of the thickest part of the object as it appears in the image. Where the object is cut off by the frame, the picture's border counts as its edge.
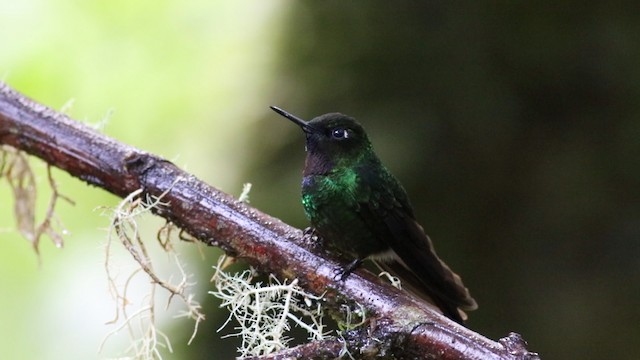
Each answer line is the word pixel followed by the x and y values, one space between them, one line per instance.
pixel 382 198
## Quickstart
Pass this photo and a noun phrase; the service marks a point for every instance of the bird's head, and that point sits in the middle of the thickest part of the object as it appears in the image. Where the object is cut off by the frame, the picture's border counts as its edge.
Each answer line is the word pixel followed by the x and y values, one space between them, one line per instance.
pixel 335 139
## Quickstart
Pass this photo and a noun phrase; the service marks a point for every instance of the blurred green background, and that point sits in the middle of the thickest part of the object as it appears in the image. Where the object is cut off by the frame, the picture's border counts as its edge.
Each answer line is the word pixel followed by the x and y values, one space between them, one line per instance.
pixel 513 126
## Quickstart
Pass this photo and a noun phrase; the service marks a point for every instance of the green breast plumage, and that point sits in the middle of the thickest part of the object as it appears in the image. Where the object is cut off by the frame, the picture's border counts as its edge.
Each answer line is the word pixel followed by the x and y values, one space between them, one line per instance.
pixel 332 204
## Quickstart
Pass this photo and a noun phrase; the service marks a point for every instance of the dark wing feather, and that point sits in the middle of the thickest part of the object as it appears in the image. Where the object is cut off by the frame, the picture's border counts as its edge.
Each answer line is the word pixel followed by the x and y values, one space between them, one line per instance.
pixel 384 204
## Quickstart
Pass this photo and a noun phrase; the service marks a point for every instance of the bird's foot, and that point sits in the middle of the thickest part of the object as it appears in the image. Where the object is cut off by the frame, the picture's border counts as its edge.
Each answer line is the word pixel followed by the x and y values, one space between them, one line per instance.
pixel 344 273
pixel 309 231
pixel 311 237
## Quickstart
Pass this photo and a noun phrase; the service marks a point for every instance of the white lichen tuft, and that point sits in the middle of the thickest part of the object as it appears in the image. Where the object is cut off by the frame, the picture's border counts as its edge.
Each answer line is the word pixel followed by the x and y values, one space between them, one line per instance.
pixel 266 312
pixel 146 339
pixel 15 169
pixel 244 196
pixel 353 318
pixel 394 281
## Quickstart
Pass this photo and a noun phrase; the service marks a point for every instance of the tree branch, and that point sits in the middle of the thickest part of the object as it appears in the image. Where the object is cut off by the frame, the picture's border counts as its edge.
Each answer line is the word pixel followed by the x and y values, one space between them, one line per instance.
pixel 402 326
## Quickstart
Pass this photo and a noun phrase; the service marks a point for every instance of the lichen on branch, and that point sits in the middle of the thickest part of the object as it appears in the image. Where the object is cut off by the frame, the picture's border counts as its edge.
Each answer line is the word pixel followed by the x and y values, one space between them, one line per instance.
pixel 146 339
pixel 17 172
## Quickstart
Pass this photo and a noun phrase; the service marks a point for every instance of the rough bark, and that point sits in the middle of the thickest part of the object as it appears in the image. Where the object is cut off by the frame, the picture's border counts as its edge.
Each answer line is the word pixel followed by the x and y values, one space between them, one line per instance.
pixel 404 327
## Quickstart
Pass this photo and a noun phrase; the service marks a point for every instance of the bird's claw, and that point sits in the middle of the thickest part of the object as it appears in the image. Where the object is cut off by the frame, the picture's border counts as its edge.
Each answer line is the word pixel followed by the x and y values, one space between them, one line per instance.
pixel 311 237
pixel 340 274
pixel 309 231
pixel 343 274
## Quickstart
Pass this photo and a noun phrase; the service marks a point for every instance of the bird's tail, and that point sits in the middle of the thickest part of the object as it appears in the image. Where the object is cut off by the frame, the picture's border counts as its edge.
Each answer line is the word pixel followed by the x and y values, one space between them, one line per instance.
pixel 415 285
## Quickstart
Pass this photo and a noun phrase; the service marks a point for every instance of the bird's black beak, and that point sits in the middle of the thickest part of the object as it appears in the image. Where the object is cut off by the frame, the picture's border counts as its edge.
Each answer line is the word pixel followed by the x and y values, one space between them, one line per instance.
pixel 303 124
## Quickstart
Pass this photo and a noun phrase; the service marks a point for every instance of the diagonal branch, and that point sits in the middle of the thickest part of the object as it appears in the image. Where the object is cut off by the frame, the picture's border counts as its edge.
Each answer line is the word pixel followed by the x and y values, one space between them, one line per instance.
pixel 403 326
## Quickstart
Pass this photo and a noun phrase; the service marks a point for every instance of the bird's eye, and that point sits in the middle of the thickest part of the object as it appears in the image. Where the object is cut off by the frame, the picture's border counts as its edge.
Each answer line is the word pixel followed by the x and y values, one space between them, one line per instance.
pixel 340 133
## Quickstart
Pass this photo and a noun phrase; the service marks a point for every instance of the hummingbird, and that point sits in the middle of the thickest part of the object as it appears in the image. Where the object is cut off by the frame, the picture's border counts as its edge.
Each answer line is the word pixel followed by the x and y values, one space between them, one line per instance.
pixel 361 211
